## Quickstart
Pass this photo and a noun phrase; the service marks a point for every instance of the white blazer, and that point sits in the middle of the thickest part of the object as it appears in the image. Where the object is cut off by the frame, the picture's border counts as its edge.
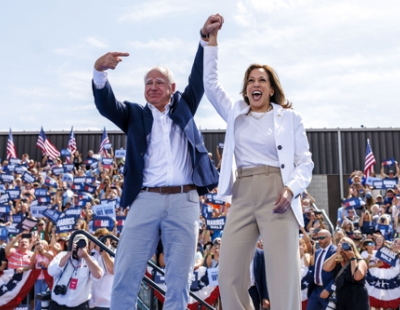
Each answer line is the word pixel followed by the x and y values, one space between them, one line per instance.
pixel 290 138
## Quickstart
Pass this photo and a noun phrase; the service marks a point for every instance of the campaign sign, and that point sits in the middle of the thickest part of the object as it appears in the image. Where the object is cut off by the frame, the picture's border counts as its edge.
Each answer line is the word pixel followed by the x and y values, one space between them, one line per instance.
pixel 388 162
pixel 52 214
pixel 65 152
pixel 57 170
pixel 194 281
pixel 383 229
pixel 81 203
pixel 90 188
pixel 221 145
pixel 14 161
pixel 103 222
pixel 90 180
pixel 27 177
pixel 3 233
pixel 107 162
pixel 77 187
pixel 120 153
pixel 384 184
pixel 2 189
pixel 387 256
pixel 370 180
pixel 211 199
pixel 85 196
pixel 5 198
pixel 66 224
pixel 352 203
pixel 212 276
pixel 206 211
pixel 73 212
pixel 50 182
pixel 7 177
pixel 68 167
pixel 79 180
pixel 12 229
pixel 26 224
pixel 43 200
pixel 20 169
pixel 11 168
pixel 95 165
pixel 4 209
pixel 121 222
pixel 104 210
pixel 14 193
pixel 217 223
pixel 67 178
pixel 90 161
pixel 40 192
pixel 107 146
pixel 159 278
pixel 37 211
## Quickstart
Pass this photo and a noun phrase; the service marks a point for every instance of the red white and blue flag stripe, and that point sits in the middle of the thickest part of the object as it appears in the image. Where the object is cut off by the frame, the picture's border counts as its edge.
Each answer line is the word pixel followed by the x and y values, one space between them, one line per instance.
pixel 46 146
pixel 104 140
pixel 369 160
pixel 71 142
pixel 11 151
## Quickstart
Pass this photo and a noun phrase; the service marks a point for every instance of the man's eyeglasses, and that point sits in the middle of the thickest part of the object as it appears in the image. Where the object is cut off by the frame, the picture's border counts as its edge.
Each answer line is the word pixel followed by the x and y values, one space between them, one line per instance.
pixel 319 238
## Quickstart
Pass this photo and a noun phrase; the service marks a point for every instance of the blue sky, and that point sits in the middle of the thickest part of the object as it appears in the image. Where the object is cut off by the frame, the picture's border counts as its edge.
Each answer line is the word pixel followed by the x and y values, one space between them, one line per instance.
pixel 338 61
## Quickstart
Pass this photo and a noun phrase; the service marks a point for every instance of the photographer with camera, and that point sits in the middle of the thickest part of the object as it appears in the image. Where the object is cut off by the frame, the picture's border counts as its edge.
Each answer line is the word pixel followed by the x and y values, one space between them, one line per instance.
pixel 350 291
pixel 73 272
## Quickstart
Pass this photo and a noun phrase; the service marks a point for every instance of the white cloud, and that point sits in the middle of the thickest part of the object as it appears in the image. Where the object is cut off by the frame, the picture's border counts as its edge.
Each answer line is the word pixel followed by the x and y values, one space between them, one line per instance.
pixel 153 9
pixel 96 42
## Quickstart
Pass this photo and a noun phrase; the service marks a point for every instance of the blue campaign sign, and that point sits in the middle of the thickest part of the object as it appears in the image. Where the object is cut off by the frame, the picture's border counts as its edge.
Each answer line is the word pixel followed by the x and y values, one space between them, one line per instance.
pixel 84 195
pixel 73 212
pixel 5 198
pixel 14 161
pixel 50 182
pixel 79 180
pixel 103 222
pixel 387 256
pixel 388 162
pixel 216 223
pixel 2 189
pixel 384 184
pixel 107 146
pixel 81 203
pixel 3 233
pixel 37 211
pixel 206 211
pixel 57 170
pixel 6 177
pixel 27 177
pixel 40 192
pixel 65 152
pixel 90 188
pixel 352 203
pixel 14 193
pixel 107 161
pixel 20 169
pixel 67 178
pixel 43 200
pixel 104 210
pixel 90 180
pixel 11 168
pixel 90 161
pixel 121 222
pixel 66 224
pixel 211 199
pixel 52 214
pixel 68 167
pixel 5 209
pixel 26 224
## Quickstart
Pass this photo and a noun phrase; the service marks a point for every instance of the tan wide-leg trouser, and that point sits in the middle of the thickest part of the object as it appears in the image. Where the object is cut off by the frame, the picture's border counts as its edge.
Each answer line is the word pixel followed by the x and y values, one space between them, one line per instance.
pixel 250 215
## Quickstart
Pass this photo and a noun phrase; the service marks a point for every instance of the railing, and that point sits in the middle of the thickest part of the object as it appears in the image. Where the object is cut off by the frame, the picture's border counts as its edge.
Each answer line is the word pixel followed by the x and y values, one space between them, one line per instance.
pixel 149 282
pixel 331 228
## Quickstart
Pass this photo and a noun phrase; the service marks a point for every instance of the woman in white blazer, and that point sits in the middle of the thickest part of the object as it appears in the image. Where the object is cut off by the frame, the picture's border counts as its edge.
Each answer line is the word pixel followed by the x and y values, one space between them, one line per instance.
pixel 269 143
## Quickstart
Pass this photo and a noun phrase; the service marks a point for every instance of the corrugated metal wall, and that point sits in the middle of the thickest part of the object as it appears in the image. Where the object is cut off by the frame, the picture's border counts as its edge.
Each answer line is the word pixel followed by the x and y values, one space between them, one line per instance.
pixel 324 146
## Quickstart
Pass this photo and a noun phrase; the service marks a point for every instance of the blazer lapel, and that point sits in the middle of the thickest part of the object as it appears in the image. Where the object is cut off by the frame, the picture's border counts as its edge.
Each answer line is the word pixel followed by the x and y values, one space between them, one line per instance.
pixel 148 120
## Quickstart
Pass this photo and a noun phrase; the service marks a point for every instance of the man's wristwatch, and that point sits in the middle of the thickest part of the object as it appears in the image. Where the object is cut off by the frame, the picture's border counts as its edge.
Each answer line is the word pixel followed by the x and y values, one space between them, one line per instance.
pixel 204 36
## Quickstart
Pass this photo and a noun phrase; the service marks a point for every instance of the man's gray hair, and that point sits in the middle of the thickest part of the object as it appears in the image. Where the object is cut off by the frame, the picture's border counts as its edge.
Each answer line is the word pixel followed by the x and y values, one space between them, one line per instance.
pixel 164 70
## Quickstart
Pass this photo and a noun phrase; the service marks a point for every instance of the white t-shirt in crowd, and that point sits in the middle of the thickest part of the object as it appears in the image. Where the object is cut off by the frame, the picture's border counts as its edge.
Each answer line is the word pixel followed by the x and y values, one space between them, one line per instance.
pixel 373 260
pixel 101 289
pixel 79 288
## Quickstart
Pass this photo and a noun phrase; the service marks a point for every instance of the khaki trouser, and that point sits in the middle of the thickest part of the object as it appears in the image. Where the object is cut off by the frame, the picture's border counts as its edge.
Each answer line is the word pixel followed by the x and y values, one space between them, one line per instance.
pixel 250 215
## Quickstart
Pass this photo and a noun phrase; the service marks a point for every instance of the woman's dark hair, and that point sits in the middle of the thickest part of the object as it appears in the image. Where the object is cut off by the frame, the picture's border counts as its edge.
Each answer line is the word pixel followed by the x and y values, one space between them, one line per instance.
pixel 278 96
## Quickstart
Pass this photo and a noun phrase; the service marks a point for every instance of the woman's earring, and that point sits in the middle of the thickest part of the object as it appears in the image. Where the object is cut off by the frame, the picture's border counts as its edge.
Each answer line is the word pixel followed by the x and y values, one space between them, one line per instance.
pixel 272 95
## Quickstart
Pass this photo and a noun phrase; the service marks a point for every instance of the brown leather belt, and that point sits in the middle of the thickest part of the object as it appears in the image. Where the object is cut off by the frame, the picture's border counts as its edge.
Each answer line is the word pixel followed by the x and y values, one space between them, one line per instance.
pixel 165 190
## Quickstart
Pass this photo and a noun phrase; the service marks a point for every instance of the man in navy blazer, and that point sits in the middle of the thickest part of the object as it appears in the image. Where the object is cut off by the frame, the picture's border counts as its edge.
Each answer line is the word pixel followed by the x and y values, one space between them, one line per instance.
pixel 320 287
pixel 166 169
pixel 258 290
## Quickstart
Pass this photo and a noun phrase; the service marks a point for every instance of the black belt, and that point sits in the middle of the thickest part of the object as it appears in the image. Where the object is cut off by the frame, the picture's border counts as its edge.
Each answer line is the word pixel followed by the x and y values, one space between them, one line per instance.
pixel 165 190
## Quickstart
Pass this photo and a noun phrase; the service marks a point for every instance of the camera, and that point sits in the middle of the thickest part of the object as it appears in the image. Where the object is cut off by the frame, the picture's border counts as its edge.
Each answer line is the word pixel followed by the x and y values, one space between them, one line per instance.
pixel 44 298
pixel 60 289
pixel 317 212
pixel 346 246
pixel 332 302
pixel 79 245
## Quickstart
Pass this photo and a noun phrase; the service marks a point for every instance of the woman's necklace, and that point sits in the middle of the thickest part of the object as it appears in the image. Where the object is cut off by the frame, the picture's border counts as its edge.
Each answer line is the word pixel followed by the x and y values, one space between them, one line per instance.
pixel 262 115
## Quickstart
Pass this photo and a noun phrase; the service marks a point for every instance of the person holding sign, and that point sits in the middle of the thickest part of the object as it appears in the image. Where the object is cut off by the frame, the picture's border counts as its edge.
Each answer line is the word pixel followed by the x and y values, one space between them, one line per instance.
pixel 351 292
pixel 269 142
pixel 167 167
pixel 391 175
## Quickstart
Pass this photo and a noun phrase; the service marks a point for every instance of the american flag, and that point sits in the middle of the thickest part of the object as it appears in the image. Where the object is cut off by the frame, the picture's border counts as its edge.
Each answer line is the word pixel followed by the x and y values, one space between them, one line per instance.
pixel 104 140
pixel 45 145
pixel 11 151
pixel 369 160
pixel 72 142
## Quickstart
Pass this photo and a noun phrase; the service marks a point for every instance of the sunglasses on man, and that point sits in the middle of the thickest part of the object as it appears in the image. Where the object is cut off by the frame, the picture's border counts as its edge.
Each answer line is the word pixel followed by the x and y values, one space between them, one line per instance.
pixel 319 238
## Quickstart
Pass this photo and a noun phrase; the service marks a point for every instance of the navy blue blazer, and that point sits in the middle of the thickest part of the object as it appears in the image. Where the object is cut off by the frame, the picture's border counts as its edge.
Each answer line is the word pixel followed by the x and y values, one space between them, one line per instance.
pixel 260 275
pixel 136 122
pixel 328 278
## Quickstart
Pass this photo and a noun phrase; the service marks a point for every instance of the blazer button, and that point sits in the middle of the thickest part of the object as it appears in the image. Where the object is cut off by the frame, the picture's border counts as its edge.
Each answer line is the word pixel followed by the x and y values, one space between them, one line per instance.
pixel 282 166
pixel 279 147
